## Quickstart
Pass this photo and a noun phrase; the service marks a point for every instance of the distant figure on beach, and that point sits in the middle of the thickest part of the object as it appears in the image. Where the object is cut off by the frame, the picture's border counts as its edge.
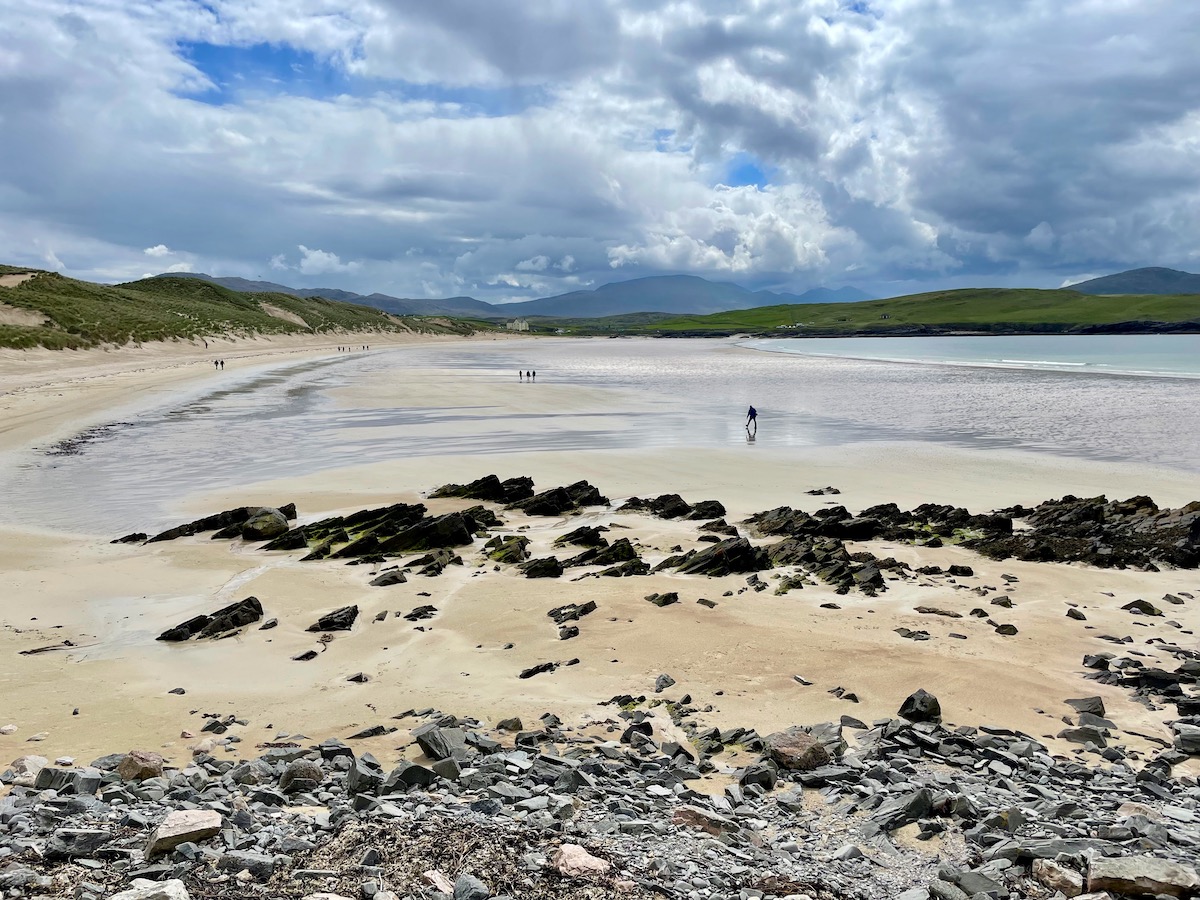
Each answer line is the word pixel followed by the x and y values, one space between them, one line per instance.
pixel 520 375
pixel 222 365
pixel 752 419
pixel 216 364
pixel 534 376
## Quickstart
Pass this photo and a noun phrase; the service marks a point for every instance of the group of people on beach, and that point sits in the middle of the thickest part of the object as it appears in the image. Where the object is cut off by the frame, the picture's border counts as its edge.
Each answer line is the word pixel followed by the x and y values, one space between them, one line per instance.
pixel 526 375
pixel 352 349
pixel 218 364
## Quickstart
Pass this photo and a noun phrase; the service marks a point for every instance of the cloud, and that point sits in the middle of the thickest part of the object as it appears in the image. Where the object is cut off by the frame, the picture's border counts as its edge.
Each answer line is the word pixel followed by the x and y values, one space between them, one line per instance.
pixel 432 145
pixel 322 262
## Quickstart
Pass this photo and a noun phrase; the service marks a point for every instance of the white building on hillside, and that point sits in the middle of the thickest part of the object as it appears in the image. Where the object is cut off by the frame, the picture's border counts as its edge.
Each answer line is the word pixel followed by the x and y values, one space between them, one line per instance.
pixel 518 325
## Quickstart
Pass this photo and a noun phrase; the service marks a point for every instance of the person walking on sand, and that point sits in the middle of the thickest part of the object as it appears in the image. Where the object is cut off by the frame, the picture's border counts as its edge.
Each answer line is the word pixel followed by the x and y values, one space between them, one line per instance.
pixel 520 375
pixel 752 419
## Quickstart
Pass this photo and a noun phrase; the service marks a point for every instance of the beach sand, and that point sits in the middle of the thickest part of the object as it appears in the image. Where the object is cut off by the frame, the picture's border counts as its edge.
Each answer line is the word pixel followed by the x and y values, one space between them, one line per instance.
pixel 737 661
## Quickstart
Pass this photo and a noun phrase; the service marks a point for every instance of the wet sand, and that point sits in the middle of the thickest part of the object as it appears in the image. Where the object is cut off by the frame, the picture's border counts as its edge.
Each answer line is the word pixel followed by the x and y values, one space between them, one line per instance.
pixel 740 658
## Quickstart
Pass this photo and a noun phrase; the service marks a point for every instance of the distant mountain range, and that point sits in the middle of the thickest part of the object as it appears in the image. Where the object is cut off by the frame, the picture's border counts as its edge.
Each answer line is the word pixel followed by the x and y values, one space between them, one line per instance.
pixel 679 294
pixel 1142 281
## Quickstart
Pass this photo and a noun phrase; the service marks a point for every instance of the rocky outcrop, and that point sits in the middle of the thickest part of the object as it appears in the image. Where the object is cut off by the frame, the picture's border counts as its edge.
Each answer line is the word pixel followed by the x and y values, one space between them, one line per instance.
pixel 490 488
pixel 218 624
pixel 230 518
pixel 561 500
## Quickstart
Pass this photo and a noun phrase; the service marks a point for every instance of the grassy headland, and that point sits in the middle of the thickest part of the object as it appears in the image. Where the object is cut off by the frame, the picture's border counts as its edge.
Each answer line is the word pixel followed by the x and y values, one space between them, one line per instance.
pixel 50 310
pixel 971 311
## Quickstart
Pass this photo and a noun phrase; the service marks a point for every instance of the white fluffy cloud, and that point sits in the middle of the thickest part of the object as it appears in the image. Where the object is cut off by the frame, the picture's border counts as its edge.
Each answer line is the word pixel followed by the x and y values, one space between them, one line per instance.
pixel 523 147
pixel 322 262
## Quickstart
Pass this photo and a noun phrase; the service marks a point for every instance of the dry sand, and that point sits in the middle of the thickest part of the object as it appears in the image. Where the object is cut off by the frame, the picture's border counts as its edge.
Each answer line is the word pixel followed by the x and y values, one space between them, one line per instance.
pixel 739 659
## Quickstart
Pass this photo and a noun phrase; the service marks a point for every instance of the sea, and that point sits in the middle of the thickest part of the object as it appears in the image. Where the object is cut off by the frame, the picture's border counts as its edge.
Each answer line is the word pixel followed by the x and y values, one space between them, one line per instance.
pixel 1129 399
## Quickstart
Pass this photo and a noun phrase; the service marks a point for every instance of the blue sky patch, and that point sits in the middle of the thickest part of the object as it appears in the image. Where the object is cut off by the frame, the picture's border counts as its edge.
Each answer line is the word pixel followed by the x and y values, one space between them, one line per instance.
pixel 262 69
pixel 746 169
pixel 280 69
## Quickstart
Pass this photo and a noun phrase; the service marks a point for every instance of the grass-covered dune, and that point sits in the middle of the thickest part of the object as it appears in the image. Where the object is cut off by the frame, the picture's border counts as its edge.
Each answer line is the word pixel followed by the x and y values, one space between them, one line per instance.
pixel 49 310
pixel 975 310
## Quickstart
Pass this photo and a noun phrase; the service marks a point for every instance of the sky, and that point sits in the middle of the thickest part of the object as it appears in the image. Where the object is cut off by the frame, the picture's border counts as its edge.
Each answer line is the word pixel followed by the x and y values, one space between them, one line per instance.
pixel 512 149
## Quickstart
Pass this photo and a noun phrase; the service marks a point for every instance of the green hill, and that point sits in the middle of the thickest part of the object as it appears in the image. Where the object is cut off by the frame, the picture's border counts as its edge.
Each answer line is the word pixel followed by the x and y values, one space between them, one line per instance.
pixel 81 314
pixel 976 310
pixel 1153 280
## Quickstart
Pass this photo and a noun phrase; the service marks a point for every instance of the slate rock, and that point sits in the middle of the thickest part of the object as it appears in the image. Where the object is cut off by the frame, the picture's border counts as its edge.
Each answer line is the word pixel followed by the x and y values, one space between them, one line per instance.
pixel 1141 876
pixel 339 620
pixel 921 706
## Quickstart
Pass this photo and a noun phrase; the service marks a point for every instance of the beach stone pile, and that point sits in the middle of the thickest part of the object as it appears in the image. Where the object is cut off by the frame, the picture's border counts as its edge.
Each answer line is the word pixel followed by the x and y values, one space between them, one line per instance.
pixel 899 808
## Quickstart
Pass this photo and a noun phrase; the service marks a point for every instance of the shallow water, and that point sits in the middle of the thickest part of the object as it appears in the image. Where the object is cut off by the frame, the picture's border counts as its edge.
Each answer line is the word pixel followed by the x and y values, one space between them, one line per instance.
pixel 666 393
pixel 1159 355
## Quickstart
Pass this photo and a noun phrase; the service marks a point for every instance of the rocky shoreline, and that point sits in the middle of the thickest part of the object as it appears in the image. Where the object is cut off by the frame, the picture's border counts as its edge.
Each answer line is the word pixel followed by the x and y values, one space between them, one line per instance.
pixel 643 797
pixel 904 807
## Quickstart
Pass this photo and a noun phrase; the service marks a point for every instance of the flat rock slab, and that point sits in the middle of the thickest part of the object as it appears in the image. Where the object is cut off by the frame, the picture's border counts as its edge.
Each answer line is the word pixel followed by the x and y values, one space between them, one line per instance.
pixel 1142 876
pixel 144 889
pixel 181 826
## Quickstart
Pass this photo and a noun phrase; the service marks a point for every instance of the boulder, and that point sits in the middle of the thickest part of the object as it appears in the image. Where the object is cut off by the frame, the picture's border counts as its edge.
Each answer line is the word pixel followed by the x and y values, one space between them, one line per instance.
pixel 796 750
pixel 1141 876
pixel 138 765
pixel 704 819
pixel 440 743
pixel 921 706
pixel 1058 878
pixel 584 536
pixel 451 530
pixel 301 776
pixel 545 567
pixel 144 889
pixel 72 843
pixel 338 620
pixel 573 861
pixel 264 524
pixel 180 826
pixel 510 549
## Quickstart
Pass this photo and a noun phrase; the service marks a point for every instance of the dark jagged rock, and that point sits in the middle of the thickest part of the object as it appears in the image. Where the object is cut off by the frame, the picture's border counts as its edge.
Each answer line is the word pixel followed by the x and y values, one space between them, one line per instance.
pixel 560 500
pixel 510 549
pixel 672 506
pixel 451 530
pixel 661 600
pixel 294 539
pixel 209 523
pixel 421 613
pixel 137 537
pixel 619 551
pixel 921 706
pixel 627 569
pixel 228 618
pixel 584 536
pixel 572 612
pixel 433 564
pixel 339 620
pixel 733 555
pixel 390 577
pixel 539 669
pixel 490 488
pixel 545 567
